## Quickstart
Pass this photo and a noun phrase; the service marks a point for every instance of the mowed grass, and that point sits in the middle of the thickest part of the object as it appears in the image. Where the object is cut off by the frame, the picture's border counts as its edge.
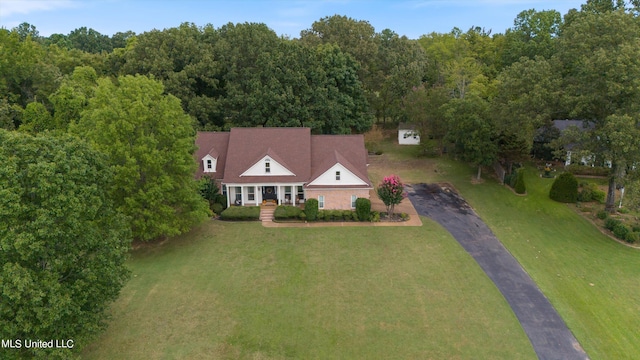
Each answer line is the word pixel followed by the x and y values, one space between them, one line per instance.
pixel 590 279
pixel 242 291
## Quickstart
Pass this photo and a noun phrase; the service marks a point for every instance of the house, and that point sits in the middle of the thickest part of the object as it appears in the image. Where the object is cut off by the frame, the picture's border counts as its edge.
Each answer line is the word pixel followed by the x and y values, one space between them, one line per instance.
pixel 408 134
pixel 285 166
pixel 582 125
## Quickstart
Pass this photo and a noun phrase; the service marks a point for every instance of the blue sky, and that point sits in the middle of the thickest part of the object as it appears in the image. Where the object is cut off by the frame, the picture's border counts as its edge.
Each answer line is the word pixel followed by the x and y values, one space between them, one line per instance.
pixel 286 17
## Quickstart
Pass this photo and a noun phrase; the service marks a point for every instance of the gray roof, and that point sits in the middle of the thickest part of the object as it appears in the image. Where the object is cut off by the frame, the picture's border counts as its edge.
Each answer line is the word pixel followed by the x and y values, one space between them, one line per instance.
pixel 580 124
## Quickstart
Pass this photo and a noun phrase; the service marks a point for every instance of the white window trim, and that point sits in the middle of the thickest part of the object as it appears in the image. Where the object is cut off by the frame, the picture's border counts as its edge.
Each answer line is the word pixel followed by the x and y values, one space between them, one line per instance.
pixel 320 201
pixel 353 201
pixel 205 164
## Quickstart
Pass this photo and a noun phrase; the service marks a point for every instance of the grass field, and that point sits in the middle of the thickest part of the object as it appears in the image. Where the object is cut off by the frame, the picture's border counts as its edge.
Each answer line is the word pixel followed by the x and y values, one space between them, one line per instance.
pixel 591 279
pixel 241 291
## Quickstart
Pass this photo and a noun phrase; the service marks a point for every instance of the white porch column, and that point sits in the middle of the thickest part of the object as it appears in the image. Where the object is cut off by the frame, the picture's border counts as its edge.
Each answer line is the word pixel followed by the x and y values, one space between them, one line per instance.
pixel 279 195
pixel 255 195
pixel 228 196
pixel 241 195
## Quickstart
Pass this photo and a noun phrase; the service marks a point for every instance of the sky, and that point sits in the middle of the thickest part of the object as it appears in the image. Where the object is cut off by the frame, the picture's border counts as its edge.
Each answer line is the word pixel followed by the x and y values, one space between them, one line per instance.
pixel 412 18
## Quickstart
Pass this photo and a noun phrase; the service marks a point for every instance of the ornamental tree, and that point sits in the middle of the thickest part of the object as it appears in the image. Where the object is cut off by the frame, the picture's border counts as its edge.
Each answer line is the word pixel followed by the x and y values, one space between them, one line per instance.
pixel 391 192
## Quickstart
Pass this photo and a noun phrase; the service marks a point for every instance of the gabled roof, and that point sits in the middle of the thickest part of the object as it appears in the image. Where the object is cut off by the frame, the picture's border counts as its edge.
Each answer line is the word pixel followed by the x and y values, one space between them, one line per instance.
pixel 347 150
pixel 249 145
pixel 214 144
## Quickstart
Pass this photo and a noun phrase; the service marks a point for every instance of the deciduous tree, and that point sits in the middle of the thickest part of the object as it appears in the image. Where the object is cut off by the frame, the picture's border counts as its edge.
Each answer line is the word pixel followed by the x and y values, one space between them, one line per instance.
pixel 63 245
pixel 149 141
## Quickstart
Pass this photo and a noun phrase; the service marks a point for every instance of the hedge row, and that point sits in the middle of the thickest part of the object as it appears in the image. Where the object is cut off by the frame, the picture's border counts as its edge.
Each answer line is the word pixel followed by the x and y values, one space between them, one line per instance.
pixel 294 213
pixel 241 213
pixel 286 212
pixel 588 170
pixel 621 231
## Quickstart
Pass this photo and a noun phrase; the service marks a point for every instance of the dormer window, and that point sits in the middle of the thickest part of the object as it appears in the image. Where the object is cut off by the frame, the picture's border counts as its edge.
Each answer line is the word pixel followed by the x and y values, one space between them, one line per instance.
pixel 267 167
pixel 337 175
pixel 209 164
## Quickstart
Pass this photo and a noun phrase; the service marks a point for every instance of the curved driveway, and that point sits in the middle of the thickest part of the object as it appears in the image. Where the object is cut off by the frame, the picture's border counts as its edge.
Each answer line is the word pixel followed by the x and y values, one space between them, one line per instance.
pixel 549 335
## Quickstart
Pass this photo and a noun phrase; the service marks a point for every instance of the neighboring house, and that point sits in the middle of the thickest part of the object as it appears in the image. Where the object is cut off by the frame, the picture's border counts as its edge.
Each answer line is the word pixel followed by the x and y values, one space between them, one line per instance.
pixel 408 135
pixel 583 125
pixel 285 166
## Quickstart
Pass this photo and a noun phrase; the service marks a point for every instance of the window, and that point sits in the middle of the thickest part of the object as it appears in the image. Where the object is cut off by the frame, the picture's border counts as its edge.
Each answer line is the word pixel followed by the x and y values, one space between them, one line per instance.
pixel 321 202
pixel 251 193
pixel 300 193
pixel 267 167
pixel 209 164
pixel 337 175
pixel 353 201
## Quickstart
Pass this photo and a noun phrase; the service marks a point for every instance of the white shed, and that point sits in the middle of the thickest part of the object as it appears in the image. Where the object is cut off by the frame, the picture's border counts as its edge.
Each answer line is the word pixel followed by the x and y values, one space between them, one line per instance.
pixel 408 135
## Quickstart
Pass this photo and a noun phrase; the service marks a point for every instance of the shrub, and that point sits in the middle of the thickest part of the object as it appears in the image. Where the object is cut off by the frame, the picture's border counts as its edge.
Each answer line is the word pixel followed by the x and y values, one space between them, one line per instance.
pixel 217 208
pixel 354 216
pixel 599 195
pixel 632 237
pixel 240 213
pixel 336 215
pixel 404 216
pixel 321 215
pixel 623 211
pixel 509 179
pixel 636 228
pixel 585 195
pixel 311 209
pixel 375 216
pixel 347 215
pixel 564 188
pixel 363 209
pixel 519 185
pixel 611 223
pixel 303 216
pixel 602 215
pixel 621 231
pixel 284 212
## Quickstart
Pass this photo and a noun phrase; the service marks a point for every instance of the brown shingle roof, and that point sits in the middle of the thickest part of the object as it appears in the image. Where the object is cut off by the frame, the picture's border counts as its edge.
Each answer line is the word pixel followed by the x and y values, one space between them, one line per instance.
pixel 307 156
pixel 214 144
pixel 249 145
pixel 348 150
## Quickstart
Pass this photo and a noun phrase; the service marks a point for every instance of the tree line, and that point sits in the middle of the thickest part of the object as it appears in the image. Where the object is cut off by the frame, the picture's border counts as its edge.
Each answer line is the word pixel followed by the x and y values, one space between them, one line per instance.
pixel 97 132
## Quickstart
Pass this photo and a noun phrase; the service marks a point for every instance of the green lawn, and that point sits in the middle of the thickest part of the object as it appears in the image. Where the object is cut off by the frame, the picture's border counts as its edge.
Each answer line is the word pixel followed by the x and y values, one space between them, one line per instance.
pixel 238 290
pixel 590 279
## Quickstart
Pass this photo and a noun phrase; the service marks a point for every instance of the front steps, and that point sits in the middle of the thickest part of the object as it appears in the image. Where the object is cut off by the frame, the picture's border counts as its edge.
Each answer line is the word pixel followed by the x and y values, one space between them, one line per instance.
pixel 266 212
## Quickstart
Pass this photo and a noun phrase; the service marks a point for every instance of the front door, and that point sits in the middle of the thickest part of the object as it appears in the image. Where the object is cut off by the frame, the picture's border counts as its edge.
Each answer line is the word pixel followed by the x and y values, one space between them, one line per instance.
pixel 269 193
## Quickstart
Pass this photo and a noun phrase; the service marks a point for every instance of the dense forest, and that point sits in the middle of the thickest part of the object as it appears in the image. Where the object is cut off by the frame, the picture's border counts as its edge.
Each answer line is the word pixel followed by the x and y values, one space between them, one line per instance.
pixel 127 106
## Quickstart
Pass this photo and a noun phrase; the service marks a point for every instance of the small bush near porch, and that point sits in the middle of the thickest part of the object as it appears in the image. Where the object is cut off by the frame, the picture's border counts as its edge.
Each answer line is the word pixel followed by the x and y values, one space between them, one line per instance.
pixel 241 213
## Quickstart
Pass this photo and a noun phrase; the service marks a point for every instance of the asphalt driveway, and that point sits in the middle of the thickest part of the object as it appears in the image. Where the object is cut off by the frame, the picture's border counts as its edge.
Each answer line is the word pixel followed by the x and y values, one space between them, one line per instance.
pixel 549 335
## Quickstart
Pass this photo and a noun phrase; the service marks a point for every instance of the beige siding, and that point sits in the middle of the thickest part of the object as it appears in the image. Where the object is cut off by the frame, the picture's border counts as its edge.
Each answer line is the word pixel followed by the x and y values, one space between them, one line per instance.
pixel 337 198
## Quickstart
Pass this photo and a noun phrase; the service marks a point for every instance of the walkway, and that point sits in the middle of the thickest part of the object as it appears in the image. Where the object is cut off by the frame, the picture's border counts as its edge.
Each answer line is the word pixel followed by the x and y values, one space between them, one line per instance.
pixel 549 335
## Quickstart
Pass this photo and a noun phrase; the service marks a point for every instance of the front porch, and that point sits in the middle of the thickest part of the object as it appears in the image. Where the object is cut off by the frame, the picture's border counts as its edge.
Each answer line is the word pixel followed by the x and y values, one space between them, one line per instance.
pixel 264 194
